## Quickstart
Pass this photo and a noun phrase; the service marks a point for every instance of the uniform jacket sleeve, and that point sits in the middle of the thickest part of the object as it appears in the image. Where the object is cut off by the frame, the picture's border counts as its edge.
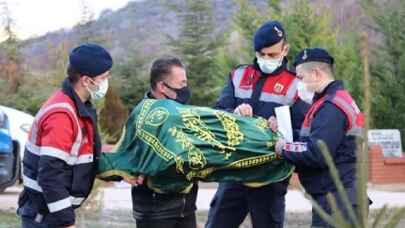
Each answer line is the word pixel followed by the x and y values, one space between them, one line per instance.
pixel 227 100
pixel 54 172
pixel 298 111
pixel 329 126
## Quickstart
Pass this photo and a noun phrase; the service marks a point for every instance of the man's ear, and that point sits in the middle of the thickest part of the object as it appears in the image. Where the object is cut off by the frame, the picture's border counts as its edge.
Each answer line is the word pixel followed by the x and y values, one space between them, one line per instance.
pixel 85 80
pixel 286 48
pixel 160 87
pixel 318 73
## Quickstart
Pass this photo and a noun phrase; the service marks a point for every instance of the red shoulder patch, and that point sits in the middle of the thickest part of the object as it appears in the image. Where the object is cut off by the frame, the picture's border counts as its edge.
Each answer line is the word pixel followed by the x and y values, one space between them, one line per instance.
pixel 249 78
pixel 279 84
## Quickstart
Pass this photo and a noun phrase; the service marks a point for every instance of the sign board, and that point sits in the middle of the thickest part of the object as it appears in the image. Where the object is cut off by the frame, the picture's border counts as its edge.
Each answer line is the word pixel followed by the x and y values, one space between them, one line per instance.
pixel 388 139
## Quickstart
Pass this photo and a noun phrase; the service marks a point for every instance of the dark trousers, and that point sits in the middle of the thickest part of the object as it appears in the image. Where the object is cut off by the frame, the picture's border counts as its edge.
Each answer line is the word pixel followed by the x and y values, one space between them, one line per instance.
pixel 186 222
pixel 31 223
pixel 233 201
pixel 317 221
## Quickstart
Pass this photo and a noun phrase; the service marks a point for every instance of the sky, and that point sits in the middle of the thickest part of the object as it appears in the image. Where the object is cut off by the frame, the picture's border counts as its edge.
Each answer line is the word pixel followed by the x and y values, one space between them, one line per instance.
pixel 37 17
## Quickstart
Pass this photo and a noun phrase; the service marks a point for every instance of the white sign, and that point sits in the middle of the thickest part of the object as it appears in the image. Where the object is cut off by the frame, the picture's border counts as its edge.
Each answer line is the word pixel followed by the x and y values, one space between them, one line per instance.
pixel 284 122
pixel 388 139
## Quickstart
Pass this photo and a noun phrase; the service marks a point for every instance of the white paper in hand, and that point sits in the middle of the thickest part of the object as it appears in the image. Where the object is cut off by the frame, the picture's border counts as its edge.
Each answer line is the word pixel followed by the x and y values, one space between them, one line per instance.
pixel 284 122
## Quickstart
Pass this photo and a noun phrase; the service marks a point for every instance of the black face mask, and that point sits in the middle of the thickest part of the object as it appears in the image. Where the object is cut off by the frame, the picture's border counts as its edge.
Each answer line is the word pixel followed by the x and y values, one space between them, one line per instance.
pixel 182 94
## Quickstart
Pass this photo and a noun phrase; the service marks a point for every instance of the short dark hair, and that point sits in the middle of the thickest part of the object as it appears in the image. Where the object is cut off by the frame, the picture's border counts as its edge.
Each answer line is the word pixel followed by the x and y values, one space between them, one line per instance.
pixel 161 68
pixel 72 74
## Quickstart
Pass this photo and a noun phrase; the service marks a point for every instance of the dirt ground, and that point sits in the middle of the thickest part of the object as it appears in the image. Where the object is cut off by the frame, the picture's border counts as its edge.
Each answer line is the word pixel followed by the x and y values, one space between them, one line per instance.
pixel 123 219
pixel 92 215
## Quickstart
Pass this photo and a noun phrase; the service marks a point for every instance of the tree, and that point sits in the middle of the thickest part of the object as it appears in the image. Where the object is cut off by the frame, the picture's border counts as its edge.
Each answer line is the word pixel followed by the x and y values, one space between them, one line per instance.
pixel 313 26
pixel 387 64
pixel 86 27
pixel 110 122
pixel 127 88
pixel 131 77
pixel 86 21
pixel 306 26
pixel 11 50
pixel 197 45
pixel 113 115
pixel 245 22
pixel 58 60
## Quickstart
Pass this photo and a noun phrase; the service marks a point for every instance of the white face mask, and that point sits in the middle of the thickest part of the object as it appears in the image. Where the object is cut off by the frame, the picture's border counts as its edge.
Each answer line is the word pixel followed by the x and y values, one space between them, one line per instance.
pixel 100 92
pixel 268 66
pixel 304 94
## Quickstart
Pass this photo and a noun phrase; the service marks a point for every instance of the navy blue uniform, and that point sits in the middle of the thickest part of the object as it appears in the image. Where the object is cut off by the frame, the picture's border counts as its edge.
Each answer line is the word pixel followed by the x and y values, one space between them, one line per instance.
pixel 335 119
pixel 264 92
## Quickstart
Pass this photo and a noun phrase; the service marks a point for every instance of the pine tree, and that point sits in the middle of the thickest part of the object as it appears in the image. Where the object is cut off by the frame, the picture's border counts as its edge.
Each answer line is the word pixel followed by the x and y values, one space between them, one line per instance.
pixel 132 76
pixel 306 26
pixel 387 64
pixel 197 46
pixel 246 21
pixel 312 26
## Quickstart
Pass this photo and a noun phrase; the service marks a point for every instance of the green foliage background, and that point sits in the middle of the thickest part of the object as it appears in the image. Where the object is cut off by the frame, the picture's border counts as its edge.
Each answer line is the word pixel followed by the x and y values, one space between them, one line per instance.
pixel 210 55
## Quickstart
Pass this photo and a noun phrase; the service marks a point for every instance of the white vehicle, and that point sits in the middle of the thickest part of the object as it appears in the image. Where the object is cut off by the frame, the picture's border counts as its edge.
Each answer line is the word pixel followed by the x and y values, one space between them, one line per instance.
pixel 20 124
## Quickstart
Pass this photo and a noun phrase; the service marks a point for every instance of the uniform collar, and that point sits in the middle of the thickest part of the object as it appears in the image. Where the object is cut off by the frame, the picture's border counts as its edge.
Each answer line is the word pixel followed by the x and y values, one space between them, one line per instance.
pixel 149 95
pixel 330 89
pixel 83 108
pixel 276 72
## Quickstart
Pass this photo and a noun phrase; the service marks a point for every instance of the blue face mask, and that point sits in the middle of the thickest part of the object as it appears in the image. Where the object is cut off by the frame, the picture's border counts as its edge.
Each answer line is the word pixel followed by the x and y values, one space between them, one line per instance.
pixel 100 92
pixel 268 66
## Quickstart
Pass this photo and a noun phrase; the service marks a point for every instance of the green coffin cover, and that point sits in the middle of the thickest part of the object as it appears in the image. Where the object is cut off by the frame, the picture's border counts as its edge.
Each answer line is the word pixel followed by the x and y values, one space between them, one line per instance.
pixel 175 145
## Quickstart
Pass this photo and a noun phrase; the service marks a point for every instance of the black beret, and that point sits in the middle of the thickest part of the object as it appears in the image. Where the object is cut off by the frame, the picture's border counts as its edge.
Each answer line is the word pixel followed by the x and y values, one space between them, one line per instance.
pixel 90 59
pixel 268 34
pixel 313 55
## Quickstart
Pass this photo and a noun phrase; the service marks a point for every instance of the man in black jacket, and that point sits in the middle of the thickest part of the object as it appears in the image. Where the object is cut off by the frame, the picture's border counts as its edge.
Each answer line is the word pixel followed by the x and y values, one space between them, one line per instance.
pixel 151 209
